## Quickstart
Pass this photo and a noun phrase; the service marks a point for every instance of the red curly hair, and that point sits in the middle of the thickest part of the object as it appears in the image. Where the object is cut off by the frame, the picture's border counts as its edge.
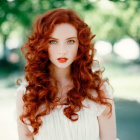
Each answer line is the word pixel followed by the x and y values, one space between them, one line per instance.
pixel 40 89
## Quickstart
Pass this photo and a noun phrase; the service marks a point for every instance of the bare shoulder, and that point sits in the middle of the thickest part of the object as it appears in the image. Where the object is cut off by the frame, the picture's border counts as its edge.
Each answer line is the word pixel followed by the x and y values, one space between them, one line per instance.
pixel 22 128
pixel 108 90
pixel 19 102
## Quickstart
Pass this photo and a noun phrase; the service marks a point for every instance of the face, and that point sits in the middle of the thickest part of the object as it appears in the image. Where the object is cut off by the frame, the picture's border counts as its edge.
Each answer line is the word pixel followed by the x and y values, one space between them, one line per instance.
pixel 63 43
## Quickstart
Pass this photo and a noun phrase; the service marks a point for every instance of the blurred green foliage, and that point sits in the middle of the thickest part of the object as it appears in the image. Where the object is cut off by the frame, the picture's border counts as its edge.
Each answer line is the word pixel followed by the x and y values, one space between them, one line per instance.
pixel 109 20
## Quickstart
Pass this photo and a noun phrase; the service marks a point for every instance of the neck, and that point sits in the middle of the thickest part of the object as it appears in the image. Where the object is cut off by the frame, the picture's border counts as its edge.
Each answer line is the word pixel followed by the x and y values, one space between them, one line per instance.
pixel 61 75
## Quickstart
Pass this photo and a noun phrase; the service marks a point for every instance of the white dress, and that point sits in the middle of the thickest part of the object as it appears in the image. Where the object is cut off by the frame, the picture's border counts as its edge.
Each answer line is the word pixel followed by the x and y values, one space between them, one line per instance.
pixel 57 126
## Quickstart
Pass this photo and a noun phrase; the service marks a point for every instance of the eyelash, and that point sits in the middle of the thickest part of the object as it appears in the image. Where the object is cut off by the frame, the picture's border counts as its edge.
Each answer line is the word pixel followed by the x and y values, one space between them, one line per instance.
pixel 72 40
pixel 50 41
pixel 55 43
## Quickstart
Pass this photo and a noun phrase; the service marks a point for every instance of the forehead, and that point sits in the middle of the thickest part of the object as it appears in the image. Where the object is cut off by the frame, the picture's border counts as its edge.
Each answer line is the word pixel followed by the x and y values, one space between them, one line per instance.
pixel 64 30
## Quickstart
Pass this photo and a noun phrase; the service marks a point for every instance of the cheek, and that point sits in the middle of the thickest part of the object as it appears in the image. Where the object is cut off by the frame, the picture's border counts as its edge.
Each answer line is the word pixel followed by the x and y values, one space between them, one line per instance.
pixel 74 51
pixel 51 52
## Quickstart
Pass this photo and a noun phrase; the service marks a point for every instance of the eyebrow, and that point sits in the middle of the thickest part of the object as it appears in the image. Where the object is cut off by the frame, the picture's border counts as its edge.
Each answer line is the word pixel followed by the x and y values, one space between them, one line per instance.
pixel 57 39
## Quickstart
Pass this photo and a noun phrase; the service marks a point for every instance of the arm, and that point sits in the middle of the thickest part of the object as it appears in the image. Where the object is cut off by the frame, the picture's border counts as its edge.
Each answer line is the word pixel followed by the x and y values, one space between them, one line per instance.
pixel 107 126
pixel 22 128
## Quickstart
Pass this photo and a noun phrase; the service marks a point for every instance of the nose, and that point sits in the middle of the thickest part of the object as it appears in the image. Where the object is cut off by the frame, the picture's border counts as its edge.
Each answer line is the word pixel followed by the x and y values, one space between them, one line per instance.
pixel 62 49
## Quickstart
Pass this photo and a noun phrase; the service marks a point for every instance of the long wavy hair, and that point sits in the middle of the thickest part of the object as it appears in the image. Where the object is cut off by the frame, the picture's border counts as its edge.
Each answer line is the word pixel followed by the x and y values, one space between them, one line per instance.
pixel 42 88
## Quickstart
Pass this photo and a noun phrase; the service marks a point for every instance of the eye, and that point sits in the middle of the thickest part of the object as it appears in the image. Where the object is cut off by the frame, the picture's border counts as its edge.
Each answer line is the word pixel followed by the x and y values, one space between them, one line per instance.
pixel 52 42
pixel 71 41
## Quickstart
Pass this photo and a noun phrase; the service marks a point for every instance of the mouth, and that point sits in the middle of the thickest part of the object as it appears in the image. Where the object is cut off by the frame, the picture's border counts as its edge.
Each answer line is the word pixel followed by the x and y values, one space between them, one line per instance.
pixel 62 59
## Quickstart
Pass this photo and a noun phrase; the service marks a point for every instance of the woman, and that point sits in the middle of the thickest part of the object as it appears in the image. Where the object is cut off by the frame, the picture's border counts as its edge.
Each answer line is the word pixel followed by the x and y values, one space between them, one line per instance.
pixel 63 95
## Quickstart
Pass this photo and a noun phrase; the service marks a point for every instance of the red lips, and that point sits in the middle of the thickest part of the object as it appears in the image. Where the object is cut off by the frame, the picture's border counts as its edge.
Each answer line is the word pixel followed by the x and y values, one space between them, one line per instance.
pixel 62 59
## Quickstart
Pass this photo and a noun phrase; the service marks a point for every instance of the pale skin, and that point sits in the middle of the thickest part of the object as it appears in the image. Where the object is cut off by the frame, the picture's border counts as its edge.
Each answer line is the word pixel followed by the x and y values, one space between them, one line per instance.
pixel 64 43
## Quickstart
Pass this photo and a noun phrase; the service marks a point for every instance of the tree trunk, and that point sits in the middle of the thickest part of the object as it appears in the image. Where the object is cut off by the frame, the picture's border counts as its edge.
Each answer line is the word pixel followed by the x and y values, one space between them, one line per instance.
pixel 5 49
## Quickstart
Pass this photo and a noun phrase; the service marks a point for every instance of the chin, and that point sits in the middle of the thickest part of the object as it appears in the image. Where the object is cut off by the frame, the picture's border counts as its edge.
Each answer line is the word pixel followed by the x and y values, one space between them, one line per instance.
pixel 63 66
